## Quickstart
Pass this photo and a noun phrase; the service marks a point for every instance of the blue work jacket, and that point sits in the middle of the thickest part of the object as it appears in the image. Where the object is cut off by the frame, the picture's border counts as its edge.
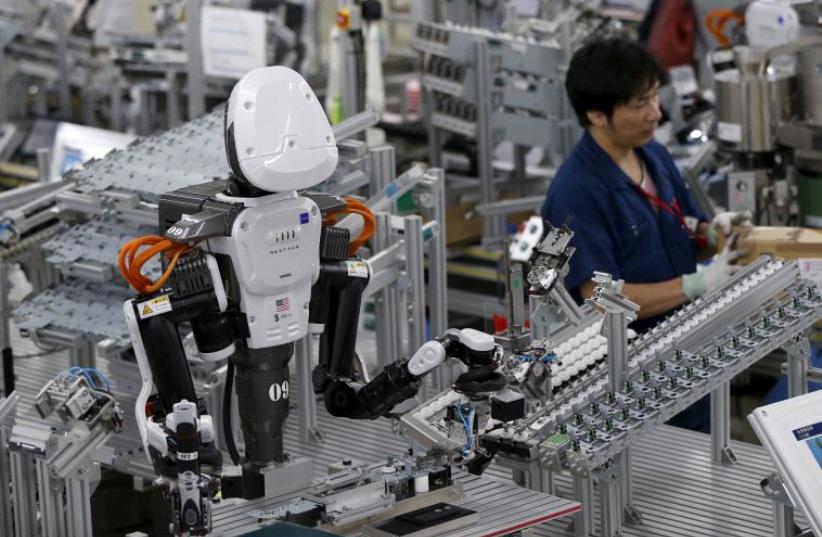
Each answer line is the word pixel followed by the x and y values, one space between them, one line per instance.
pixel 616 228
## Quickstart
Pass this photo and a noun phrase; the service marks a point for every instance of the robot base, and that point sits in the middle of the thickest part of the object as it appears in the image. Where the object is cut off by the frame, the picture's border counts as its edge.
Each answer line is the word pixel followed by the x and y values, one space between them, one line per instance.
pixel 275 479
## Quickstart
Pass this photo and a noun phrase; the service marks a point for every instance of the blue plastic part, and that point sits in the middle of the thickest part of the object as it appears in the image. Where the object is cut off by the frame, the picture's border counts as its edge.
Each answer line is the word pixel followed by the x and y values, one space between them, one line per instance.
pixel 284 529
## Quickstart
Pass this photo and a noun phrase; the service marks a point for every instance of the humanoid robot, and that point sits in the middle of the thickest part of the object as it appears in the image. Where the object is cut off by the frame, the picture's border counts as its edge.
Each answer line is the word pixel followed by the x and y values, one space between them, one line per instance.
pixel 253 264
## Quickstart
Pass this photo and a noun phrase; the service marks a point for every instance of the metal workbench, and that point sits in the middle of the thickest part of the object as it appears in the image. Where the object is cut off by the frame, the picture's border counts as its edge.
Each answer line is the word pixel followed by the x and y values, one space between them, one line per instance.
pixel 678 489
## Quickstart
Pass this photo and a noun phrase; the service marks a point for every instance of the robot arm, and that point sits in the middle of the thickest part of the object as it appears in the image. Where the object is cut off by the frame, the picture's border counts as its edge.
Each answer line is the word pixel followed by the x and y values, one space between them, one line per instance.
pixel 401 380
pixel 177 433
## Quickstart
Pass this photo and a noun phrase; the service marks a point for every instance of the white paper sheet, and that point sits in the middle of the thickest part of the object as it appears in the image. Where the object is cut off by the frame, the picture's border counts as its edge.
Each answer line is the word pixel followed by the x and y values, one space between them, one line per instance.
pixel 233 41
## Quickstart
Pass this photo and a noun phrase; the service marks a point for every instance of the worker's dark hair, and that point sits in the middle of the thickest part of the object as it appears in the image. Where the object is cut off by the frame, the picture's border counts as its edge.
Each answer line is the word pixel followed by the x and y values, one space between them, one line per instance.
pixel 606 73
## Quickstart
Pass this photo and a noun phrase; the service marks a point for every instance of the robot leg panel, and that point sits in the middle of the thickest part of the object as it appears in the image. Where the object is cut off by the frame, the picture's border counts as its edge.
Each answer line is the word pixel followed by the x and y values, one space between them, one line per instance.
pixel 263 395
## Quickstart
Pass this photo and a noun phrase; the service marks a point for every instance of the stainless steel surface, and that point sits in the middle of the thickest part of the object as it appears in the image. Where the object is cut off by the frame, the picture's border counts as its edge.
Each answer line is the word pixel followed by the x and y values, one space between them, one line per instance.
pixel 755 107
pixel 810 80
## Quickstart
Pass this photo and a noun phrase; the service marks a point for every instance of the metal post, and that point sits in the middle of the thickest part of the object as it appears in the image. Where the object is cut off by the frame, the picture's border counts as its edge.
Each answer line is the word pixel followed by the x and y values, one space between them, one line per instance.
pixel 520 174
pixel 721 425
pixel 798 355
pixel 630 513
pixel 437 273
pixel 566 111
pixel 617 327
pixel 81 352
pixel 172 99
pixel 383 171
pixel 144 115
pixel 195 86
pixel 50 495
pixel 78 507
pixel 5 331
pixel 59 16
pixel 783 520
pixel 307 405
pixel 385 303
pixel 116 97
pixel 416 274
pixel 89 97
pixel 421 10
pixel 351 80
pixel 617 309
pixel 437 257
pixel 24 499
pixel 8 412
pixel 490 228
pixel 435 135
pixel 610 504
pixel 4 82
pixel 44 164
pixel 539 479
pixel 584 519
pixel 355 124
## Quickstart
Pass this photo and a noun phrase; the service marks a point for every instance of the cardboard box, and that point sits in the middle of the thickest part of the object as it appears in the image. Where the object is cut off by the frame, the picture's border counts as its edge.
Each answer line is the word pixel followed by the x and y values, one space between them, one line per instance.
pixel 463 224
pixel 784 242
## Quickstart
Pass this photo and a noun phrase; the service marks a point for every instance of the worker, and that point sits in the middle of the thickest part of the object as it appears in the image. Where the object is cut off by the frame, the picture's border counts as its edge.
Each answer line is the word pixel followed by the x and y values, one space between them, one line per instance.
pixel 629 207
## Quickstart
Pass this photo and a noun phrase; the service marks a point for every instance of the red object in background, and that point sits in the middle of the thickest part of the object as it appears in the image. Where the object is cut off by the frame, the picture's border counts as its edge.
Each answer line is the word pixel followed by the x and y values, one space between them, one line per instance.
pixel 500 323
pixel 673 34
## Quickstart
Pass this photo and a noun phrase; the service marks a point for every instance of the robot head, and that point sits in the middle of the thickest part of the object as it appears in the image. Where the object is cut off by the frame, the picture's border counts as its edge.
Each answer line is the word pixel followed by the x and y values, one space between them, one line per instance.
pixel 277 136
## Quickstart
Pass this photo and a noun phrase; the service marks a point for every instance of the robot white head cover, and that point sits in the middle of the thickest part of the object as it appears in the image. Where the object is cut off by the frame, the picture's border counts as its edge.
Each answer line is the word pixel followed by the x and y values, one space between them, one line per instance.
pixel 278 138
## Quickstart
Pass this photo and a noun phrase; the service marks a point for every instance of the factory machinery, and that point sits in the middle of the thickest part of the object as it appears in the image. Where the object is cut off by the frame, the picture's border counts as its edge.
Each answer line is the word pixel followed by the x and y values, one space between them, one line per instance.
pixel 491 87
pixel 67 239
pixel 124 76
pixel 589 410
pixel 573 401
pixel 769 116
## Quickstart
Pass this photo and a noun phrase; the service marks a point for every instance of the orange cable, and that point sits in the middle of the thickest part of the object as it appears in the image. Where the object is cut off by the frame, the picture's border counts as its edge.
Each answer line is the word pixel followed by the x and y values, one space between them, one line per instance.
pixel 353 206
pixel 715 22
pixel 130 262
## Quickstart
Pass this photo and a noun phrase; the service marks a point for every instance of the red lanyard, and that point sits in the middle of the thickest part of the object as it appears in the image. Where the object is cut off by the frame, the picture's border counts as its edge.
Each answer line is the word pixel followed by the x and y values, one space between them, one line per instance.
pixel 672 209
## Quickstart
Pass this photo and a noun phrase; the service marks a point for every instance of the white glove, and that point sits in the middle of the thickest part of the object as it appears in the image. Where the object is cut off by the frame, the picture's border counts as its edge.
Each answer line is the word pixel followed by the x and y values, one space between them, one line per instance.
pixel 710 277
pixel 727 220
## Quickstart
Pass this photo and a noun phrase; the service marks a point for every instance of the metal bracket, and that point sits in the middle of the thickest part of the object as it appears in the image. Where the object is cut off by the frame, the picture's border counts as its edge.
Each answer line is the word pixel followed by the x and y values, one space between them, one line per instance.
pixel 774 489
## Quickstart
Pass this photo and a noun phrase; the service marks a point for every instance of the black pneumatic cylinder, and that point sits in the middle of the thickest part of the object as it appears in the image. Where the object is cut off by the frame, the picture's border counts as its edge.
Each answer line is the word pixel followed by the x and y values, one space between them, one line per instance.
pixel 213 332
pixel 263 395
pixel 391 387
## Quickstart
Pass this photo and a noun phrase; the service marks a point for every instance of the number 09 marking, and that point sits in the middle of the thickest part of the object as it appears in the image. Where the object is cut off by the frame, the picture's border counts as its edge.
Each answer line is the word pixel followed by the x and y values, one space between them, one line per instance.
pixel 278 391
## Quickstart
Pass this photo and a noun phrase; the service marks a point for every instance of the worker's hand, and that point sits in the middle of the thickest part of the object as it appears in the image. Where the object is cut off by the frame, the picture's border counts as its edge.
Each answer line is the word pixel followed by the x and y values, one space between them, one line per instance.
pixel 726 221
pixel 710 277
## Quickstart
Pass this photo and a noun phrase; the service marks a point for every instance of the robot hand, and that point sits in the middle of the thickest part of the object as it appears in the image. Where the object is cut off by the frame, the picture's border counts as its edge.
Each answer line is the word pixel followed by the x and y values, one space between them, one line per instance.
pixel 549 260
pixel 179 448
pixel 402 379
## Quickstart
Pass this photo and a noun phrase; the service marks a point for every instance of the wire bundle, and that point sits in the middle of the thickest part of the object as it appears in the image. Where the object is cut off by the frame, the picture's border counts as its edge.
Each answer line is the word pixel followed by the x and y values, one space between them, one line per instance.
pixel 370 223
pixel 716 20
pixel 92 376
pixel 131 262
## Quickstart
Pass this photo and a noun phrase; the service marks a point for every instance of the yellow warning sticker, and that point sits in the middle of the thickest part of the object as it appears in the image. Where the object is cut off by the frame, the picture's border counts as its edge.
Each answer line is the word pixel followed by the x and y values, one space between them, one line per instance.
pixel 155 306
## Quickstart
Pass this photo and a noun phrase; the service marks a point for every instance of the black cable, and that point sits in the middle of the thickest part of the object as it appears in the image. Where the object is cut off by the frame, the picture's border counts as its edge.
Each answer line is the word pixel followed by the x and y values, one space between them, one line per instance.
pixel 227 430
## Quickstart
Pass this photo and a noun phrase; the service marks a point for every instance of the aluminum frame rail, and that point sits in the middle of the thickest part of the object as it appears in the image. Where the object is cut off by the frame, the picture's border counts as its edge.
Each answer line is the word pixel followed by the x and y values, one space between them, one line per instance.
pixel 490 87
pixel 762 291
